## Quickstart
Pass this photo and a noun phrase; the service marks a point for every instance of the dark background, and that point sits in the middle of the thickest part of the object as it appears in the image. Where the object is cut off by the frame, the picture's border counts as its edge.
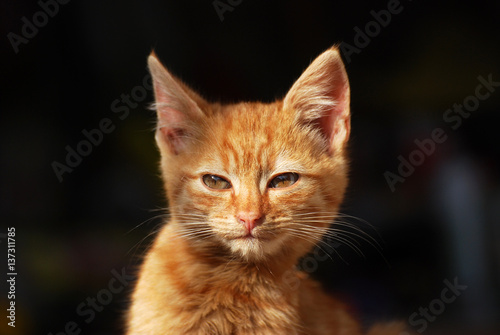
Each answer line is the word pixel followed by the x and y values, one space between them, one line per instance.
pixel 72 236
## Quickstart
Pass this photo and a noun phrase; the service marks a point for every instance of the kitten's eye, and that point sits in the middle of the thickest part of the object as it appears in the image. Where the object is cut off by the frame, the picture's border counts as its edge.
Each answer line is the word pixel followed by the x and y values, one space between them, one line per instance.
pixel 284 180
pixel 216 182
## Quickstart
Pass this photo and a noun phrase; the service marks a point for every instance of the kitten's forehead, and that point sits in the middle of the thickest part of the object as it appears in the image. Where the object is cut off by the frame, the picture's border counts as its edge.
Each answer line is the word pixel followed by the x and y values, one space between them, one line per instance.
pixel 252 137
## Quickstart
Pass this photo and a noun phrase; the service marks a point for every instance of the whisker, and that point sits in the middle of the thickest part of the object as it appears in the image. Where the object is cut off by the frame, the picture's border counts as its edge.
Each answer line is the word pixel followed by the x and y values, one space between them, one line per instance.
pixel 144 222
pixel 347 240
pixel 338 229
pixel 316 242
pixel 137 245
pixel 362 234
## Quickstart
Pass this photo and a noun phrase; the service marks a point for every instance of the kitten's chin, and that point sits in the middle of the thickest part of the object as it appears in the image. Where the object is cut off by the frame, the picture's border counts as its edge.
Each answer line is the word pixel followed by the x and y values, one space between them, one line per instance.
pixel 254 248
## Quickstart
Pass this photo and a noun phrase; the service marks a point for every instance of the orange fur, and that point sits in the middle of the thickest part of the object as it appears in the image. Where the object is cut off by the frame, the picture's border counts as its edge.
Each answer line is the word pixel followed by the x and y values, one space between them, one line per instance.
pixel 208 272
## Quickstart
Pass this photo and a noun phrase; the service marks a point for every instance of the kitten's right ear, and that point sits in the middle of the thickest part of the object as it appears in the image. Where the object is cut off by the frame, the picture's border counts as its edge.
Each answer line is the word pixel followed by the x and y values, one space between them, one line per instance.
pixel 175 106
pixel 321 97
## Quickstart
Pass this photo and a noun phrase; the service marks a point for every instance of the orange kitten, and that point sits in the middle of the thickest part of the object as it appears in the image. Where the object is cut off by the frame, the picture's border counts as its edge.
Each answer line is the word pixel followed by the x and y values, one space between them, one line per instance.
pixel 251 187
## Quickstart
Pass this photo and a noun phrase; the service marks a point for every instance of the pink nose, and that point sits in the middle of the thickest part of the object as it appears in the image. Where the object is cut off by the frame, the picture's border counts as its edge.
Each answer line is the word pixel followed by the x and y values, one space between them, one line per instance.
pixel 249 219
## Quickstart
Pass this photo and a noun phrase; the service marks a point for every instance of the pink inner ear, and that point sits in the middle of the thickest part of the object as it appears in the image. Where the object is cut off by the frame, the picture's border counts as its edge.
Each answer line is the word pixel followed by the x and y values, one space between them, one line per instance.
pixel 330 122
pixel 170 123
pixel 173 137
pixel 170 119
pixel 335 125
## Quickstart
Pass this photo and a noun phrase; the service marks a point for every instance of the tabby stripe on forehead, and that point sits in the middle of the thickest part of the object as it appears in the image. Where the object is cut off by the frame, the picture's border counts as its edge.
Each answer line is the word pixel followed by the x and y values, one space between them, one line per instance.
pixel 227 152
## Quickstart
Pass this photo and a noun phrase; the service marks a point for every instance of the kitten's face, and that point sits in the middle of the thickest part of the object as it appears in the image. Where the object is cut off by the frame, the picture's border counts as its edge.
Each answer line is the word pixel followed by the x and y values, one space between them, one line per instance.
pixel 259 181
pixel 255 179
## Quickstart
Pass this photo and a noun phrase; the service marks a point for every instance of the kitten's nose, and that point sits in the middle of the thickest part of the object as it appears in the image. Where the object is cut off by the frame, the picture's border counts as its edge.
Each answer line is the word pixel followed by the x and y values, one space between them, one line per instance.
pixel 249 219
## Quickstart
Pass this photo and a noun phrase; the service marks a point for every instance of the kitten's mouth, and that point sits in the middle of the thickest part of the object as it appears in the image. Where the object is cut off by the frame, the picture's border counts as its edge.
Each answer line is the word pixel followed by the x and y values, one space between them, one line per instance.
pixel 248 236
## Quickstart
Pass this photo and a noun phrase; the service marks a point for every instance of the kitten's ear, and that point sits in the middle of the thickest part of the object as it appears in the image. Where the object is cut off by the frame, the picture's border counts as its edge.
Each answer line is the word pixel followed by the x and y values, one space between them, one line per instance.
pixel 177 108
pixel 321 97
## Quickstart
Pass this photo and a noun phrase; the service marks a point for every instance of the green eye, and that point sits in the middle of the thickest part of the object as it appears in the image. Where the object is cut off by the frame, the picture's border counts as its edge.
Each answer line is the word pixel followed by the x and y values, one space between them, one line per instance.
pixel 284 180
pixel 216 182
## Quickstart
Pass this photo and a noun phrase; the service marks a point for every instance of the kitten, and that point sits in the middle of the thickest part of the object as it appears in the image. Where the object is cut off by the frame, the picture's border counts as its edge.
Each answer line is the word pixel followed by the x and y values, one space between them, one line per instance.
pixel 251 187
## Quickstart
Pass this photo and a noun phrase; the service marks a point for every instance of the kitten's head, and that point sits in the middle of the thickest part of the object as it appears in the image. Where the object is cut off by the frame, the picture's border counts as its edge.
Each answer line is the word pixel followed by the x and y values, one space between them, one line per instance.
pixel 256 180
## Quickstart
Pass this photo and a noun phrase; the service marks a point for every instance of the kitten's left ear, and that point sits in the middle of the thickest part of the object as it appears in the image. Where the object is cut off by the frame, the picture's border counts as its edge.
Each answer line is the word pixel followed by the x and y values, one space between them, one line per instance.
pixel 177 106
pixel 321 97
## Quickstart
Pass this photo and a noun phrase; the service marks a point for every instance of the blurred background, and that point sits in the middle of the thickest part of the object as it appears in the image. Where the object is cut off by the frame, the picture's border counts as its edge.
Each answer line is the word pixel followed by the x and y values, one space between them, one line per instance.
pixel 79 177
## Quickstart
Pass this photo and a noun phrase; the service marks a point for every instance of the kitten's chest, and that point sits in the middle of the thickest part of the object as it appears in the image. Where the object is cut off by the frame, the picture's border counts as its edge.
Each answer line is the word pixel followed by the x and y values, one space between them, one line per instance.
pixel 248 305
